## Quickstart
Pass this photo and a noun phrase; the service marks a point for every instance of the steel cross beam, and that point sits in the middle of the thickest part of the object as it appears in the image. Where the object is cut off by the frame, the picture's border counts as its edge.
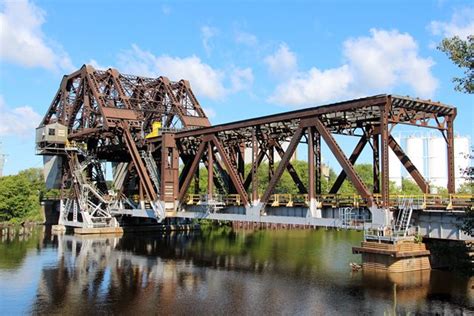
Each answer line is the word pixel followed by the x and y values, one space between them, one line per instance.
pixel 187 161
pixel 192 170
pixel 210 171
pixel 137 161
pixel 291 170
pixel 258 161
pixel 376 162
pixel 282 165
pixel 408 164
pixel 352 159
pixel 343 161
pixel 234 177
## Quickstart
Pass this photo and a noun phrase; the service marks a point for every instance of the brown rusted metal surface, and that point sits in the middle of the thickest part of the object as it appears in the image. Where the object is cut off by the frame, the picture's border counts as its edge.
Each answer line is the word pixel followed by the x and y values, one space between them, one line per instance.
pixel 384 165
pixel 283 163
pixel 408 164
pixel 352 159
pixel 231 171
pixel 343 161
pixel 109 115
pixel 311 162
pixel 450 152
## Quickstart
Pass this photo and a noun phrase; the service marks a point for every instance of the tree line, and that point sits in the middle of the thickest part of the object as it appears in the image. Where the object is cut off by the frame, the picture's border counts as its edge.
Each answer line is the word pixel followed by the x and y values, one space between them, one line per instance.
pixel 287 185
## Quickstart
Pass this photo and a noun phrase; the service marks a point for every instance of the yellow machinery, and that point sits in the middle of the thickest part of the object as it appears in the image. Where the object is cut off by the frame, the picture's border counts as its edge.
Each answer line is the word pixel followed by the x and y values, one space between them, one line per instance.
pixel 155 128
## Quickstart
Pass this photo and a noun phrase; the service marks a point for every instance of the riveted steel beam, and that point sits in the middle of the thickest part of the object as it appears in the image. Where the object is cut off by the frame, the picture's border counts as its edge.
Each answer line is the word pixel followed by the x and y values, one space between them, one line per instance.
pixel 408 164
pixel 343 161
pixel 352 159
pixel 232 172
pixel 282 165
pixel 192 170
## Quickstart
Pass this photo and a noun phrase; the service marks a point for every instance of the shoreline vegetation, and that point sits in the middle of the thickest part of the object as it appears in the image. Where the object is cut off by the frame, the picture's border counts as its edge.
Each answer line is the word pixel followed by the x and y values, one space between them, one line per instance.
pixel 21 194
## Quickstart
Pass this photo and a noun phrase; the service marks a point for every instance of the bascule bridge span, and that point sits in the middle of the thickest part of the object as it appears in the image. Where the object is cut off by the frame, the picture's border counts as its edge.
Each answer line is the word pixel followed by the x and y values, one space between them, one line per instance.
pixel 157 137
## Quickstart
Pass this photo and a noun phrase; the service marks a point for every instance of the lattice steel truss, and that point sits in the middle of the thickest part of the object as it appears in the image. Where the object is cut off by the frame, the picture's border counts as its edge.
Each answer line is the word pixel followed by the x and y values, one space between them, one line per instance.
pixel 109 114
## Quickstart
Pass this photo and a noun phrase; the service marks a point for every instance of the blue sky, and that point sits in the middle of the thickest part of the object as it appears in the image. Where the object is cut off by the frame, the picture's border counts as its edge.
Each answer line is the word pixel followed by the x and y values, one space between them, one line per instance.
pixel 243 59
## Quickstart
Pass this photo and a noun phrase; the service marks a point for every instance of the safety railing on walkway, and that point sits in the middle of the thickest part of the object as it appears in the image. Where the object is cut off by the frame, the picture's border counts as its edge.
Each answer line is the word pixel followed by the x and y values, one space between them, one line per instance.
pixel 451 202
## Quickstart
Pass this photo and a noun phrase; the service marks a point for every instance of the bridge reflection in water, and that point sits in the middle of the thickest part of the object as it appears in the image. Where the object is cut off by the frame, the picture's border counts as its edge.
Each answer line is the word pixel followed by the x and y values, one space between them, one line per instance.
pixel 219 271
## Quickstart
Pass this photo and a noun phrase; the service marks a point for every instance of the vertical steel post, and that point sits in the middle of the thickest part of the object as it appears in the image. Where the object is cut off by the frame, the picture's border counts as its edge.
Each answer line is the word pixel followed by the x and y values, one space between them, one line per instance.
pixel 450 153
pixel 254 166
pixel 210 171
pixel 169 169
pixel 384 133
pixel 196 182
pixel 311 173
pixel 314 170
pixel 271 161
pixel 376 162
pixel 241 160
pixel 319 166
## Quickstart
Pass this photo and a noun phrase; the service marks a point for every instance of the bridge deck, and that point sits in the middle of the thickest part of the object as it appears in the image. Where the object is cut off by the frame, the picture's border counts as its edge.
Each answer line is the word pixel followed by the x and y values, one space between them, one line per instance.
pixel 459 202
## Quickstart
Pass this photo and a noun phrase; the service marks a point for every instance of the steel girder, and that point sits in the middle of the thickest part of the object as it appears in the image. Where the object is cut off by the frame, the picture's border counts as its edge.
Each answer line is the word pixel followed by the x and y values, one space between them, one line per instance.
pixel 111 113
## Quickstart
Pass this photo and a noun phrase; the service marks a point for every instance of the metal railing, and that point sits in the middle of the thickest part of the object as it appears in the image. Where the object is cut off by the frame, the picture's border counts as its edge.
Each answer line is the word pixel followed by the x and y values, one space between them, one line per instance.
pixel 421 202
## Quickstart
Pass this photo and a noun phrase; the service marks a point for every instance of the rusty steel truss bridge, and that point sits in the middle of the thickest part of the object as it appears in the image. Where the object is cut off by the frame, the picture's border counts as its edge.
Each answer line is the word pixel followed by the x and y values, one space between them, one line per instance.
pixel 100 117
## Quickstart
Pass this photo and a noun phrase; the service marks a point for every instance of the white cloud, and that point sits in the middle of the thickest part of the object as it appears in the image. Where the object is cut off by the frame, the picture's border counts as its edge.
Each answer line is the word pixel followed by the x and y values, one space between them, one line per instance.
pixel 374 64
pixel 205 80
pixel 19 121
pixel 210 113
pixel 246 38
pixel 94 63
pixel 207 33
pixel 386 59
pixel 241 79
pixel 23 41
pixel 461 24
pixel 282 62
pixel 313 86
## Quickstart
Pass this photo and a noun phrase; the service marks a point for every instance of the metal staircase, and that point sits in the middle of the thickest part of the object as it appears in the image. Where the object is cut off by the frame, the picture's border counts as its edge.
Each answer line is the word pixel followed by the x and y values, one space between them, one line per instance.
pixel 90 201
pixel 404 217
pixel 150 164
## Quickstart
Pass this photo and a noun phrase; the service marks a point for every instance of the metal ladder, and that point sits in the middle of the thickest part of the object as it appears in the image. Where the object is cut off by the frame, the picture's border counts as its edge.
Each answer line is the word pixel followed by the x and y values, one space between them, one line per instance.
pixel 150 164
pixel 404 217
pixel 345 215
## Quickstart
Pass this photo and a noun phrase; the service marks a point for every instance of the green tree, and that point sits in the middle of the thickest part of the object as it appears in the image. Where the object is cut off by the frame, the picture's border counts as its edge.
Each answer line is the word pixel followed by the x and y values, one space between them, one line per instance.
pixel 410 187
pixel 461 52
pixel 20 195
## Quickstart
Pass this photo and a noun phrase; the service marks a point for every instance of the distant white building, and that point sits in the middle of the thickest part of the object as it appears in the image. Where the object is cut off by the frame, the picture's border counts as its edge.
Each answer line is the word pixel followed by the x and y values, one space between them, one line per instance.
pixel 2 160
pixel 429 154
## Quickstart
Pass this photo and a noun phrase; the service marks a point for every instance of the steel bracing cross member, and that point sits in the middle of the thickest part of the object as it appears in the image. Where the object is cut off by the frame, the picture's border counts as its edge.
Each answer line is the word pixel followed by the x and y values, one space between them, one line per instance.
pixel 343 161
pixel 408 164
pixel 111 117
pixel 352 159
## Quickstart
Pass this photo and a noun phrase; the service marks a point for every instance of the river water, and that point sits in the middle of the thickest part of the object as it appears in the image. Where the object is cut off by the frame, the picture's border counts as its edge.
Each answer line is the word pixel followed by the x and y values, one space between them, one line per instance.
pixel 213 272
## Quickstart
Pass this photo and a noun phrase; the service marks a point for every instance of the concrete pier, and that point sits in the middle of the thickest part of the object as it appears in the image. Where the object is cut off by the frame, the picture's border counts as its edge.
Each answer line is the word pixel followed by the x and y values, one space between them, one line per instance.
pixel 403 256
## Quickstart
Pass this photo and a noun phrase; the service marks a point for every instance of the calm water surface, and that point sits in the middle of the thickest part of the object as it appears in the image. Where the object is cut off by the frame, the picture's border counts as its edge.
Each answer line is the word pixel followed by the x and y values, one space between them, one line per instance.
pixel 213 272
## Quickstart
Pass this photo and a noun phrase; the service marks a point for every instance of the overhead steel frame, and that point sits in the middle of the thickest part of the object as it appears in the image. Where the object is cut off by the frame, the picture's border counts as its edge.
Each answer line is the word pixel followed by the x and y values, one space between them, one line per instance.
pixel 109 114
pixel 371 119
